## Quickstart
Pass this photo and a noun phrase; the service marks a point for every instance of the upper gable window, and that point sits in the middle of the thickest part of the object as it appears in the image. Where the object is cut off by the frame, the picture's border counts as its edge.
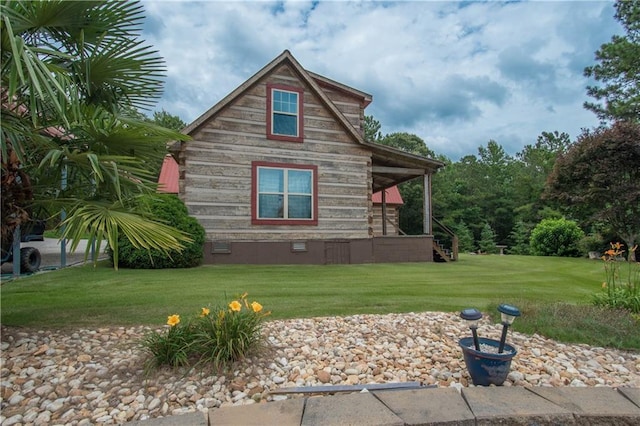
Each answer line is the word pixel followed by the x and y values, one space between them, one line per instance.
pixel 284 113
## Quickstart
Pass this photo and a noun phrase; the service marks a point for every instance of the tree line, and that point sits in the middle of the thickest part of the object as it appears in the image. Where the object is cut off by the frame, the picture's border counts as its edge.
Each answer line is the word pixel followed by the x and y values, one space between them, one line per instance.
pixel 494 198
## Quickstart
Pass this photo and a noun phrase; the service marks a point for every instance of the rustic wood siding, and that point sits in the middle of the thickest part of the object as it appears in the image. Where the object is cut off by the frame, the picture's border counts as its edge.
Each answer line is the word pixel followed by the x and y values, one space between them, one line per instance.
pixel 216 168
pixel 392 216
pixel 349 106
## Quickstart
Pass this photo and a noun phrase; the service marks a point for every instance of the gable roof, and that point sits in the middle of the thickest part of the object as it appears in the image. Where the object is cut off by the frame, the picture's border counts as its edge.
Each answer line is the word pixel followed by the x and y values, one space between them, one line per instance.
pixel 390 165
pixel 287 58
pixel 169 176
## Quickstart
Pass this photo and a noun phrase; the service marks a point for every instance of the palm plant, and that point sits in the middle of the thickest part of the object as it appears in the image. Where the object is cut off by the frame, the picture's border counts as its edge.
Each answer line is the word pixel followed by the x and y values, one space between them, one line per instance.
pixel 72 73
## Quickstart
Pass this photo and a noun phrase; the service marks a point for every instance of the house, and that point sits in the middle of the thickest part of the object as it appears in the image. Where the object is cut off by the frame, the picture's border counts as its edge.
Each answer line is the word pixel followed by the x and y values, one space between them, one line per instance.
pixel 279 172
pixel 169 177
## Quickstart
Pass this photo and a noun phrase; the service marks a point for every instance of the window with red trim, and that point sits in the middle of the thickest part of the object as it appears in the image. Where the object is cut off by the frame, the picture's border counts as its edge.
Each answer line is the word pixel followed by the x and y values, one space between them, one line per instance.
pixel 284 113
pixel 284 194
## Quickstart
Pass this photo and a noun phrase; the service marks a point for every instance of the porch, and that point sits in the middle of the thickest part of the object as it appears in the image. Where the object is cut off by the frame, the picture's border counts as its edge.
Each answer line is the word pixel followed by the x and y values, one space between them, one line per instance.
pixel 391 167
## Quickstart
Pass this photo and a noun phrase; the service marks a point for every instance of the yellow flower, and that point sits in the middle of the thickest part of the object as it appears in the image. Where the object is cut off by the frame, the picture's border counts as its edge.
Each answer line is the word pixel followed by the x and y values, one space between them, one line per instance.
pixel 235 306
pixel 256 307
pixel 205 312
pixel 173 320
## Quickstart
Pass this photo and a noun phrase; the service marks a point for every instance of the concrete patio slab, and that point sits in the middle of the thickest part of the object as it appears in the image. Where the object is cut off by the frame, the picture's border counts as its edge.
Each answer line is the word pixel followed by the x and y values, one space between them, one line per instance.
pixel 281 413
pixel 591 406
pixel 420 407
pixel 514 406
pixel 351 409
pixel 632 394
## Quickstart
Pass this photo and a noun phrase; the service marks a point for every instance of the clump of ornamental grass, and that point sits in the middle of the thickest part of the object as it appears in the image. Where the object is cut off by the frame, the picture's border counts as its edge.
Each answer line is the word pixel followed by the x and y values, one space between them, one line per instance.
pixel 214 337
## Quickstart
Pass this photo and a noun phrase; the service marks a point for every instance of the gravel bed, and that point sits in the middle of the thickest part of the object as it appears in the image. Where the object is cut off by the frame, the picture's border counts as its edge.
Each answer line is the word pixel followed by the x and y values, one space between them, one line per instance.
pixel 83 377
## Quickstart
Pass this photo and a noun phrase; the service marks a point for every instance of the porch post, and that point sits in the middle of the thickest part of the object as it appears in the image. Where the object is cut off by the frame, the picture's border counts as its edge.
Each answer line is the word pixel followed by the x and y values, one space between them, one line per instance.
pixel 384 212
pixel 427 204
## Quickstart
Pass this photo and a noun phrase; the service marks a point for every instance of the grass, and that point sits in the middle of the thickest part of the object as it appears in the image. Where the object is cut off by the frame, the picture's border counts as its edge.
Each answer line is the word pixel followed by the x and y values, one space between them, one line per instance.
pixel 87 296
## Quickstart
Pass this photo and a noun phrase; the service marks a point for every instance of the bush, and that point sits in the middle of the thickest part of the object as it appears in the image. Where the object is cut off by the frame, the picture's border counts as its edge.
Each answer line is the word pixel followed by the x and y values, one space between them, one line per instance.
pixel 216 338
pixel 591 243
pixel 556 237
pixel 171 210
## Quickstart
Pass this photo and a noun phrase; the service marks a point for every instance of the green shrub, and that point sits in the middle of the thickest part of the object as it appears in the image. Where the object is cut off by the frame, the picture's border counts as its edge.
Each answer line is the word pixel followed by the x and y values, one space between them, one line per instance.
pixel 216 338
pixel 171 210
pixel 591 242
pixel 556 237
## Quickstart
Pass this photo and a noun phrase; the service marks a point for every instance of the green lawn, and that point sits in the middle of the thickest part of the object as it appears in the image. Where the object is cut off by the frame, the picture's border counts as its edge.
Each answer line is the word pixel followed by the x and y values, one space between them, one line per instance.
pixel 84 296
pixel 554 294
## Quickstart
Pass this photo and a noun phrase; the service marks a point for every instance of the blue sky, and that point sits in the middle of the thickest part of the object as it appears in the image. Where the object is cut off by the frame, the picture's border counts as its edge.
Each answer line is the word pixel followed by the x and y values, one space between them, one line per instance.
pixel 457 74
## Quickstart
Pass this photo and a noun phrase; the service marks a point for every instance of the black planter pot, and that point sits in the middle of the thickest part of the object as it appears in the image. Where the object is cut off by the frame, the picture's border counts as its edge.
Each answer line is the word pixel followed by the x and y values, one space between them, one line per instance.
pixel 487 368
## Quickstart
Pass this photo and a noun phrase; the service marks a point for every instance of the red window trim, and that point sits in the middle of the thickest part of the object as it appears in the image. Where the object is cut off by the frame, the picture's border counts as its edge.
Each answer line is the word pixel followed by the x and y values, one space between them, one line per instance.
pixel 300 93
pixel 254 195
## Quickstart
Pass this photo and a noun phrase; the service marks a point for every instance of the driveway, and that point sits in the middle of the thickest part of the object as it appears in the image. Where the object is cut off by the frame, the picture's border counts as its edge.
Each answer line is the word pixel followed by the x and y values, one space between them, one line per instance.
pixel 50 250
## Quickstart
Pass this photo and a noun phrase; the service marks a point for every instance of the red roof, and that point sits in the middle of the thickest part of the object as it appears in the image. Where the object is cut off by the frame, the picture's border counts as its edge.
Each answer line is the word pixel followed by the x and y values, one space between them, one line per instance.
pixel 392 196
pixel 169 176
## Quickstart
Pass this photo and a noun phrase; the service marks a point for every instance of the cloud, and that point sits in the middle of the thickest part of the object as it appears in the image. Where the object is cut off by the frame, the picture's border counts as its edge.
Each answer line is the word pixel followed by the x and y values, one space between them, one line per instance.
pixel 457 74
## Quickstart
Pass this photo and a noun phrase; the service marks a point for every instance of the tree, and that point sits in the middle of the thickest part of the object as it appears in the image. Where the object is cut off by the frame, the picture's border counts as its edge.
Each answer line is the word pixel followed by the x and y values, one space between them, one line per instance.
pixel 407 142
pixel 71 74
pixel 372 129
pixel 487 242
pixel 169 121
pixel 618 71
pixel 597 179
pixel 520 239
pixel 496 183
pixel 465 237
pixel 531 169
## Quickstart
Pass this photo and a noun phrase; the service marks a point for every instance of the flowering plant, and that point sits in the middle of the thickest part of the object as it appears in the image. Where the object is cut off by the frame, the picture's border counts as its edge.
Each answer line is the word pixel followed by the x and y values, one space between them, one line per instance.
pixel 618 291
pixel 216 336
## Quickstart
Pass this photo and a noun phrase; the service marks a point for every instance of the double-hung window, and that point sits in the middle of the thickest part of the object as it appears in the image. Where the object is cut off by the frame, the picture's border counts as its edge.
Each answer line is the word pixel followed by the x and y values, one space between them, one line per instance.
pixel 284 113
pixel 284 194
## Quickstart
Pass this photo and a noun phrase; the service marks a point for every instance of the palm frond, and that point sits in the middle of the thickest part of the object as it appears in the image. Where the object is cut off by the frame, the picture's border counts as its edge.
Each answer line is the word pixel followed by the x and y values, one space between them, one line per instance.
pixel 104 222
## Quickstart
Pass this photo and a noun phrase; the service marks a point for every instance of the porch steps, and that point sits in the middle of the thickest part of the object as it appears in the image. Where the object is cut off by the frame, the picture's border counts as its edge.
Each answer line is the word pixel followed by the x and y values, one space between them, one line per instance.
pixel 440 254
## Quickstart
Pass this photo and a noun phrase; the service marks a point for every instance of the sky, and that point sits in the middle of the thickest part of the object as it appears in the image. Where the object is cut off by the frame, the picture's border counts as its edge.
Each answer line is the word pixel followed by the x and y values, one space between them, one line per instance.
pixel 457 74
